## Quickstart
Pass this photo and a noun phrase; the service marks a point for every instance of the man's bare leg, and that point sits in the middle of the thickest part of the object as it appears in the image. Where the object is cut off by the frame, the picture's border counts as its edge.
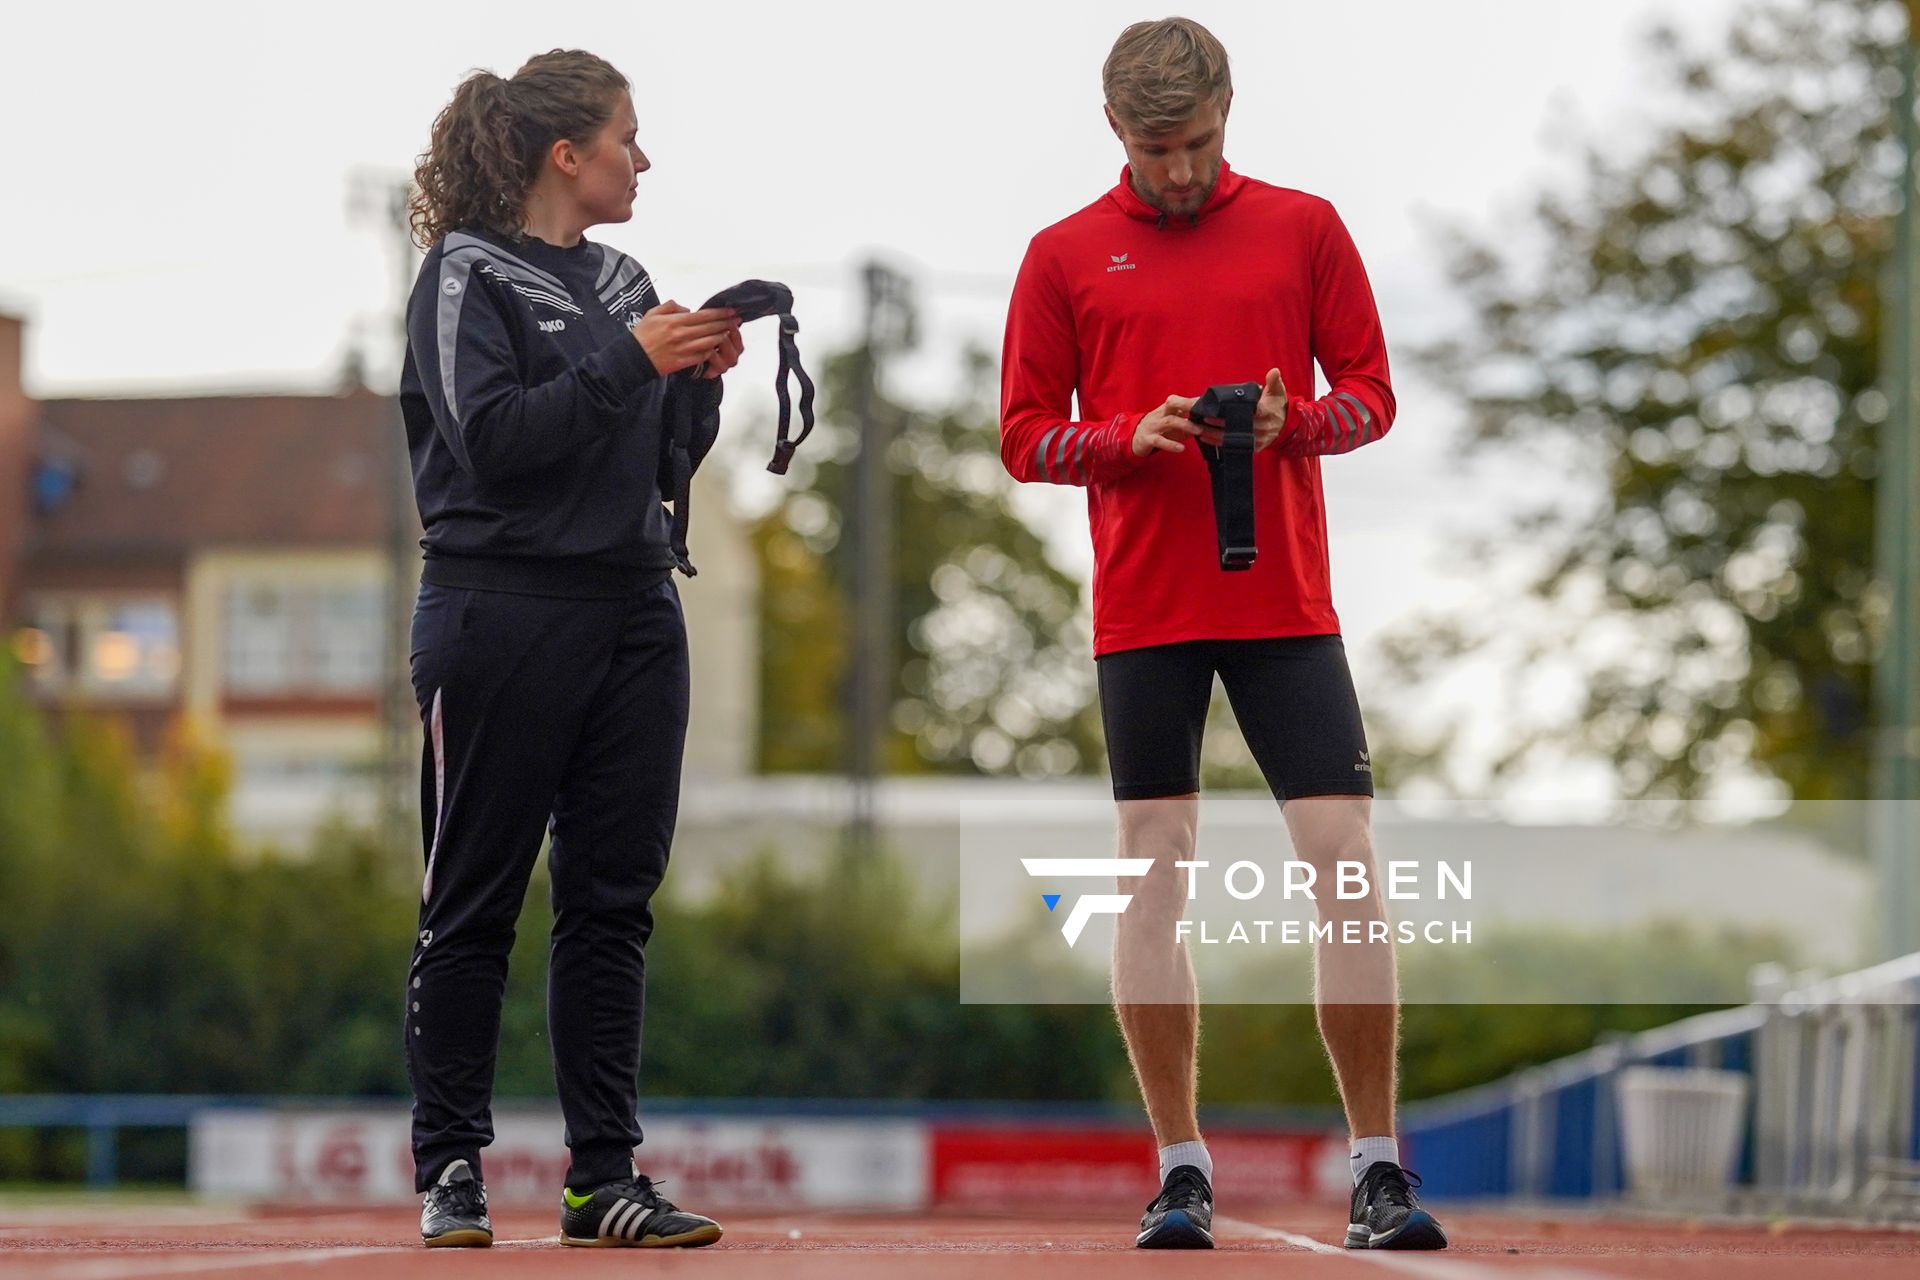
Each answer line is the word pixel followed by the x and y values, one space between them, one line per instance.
pixel 1356 991
pixel 1154 995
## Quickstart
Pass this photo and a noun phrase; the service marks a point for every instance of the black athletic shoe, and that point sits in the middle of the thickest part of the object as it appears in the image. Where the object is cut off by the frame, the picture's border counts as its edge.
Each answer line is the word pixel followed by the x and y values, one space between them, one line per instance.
pixel 1387 1215
pixel 1181 1216
pixel 454 1213
pixel 631 1214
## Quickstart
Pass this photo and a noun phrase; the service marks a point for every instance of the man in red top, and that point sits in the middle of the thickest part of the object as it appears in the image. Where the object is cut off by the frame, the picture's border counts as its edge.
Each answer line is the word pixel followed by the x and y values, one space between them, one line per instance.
pixel 1184 276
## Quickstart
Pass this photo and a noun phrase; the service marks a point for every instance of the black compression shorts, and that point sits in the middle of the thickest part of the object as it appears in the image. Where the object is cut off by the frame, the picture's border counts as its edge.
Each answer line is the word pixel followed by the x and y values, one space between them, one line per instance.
pixel 1292 695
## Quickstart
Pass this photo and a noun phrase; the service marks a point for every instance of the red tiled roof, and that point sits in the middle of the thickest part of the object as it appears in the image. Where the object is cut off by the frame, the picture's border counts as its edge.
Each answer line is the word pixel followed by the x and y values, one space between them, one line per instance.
pixel 160 477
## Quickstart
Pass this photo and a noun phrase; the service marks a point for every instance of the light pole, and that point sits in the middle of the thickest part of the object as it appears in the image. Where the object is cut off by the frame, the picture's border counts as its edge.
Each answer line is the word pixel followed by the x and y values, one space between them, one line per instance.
pixel 889 330
pixel 380 199
pixel 1894 833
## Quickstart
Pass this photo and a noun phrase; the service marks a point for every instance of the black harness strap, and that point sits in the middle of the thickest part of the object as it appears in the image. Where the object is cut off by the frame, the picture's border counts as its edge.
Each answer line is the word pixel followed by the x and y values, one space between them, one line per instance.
pixel 680 465
pixel 1230 467
pixel 751 299
pixel 790 364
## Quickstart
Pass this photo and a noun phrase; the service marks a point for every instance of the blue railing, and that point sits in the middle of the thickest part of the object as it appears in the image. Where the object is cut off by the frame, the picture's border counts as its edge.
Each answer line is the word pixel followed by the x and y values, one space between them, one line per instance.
pixel 102 1116
pixel 1834 1071
pixel 1551 1131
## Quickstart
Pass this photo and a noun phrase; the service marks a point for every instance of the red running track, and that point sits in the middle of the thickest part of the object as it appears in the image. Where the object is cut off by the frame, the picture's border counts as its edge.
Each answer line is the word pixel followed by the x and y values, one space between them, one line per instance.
pixel 109 1240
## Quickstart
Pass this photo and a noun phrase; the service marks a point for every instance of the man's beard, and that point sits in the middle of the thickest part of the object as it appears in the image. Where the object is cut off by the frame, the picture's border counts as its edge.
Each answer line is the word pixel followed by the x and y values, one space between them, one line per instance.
pixel 1187 204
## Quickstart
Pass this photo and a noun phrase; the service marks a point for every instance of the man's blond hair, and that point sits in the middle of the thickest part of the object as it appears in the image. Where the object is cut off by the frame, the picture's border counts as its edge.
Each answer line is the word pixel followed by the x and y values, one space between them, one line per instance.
pixel 1161 73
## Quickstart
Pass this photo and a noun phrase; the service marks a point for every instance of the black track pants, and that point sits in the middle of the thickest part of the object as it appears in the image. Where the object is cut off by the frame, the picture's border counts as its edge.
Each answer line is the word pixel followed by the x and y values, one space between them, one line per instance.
pixel 540 713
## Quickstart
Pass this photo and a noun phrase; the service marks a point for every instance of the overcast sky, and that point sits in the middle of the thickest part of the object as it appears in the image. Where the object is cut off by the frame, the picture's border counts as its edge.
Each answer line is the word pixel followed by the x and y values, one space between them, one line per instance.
pixel 178 178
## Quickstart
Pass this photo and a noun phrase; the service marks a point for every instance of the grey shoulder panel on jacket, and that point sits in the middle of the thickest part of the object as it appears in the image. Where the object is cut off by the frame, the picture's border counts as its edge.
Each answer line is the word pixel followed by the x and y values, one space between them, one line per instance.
pixel 623 282
pixel 469 246
pixel 514 272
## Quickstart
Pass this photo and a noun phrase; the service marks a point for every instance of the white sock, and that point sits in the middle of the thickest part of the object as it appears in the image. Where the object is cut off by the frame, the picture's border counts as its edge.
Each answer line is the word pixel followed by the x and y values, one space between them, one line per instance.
pixel 1371 1151
pixel 1193 1153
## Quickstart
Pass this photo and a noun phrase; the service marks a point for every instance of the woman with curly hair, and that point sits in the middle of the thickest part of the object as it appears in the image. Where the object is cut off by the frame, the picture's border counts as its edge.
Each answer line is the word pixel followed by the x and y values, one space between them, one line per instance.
pixel 549 648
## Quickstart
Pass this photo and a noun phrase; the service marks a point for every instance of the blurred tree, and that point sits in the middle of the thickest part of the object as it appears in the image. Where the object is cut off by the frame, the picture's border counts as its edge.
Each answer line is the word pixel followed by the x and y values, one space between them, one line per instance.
pixel 991 647
pixel 1698 344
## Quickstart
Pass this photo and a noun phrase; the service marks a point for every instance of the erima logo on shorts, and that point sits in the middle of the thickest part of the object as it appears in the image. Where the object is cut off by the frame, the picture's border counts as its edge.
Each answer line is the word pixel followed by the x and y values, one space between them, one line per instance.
pixel 1364 766
pixel 1088 905
pixel 1120 263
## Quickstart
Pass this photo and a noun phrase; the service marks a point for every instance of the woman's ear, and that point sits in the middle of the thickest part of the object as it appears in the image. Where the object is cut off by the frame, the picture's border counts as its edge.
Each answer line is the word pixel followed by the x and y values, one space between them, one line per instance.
pixel 565 157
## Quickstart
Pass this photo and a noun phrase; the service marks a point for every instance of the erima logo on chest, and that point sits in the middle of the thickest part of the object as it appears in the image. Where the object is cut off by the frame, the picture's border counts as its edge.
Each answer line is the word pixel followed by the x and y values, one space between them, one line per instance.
pixel 552 326
pixel 1120 263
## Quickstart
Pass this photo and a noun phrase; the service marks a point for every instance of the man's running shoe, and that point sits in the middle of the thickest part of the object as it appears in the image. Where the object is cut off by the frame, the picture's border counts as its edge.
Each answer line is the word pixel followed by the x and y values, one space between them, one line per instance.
pixel 1181 1216
pixel 631 1214
pixel 1387 1215
pixel 454 1213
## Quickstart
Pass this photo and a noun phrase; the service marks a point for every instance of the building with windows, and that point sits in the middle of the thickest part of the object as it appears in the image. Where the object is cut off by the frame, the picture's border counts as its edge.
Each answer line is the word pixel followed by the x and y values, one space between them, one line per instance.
pixel 227 563
pixel 217 557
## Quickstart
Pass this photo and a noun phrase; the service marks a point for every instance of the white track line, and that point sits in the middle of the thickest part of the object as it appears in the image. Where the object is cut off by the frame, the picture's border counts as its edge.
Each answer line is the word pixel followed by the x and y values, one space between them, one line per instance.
pixel 138 1218
pixel 1274 1233
pixel 127 1269
pixel 1433 1265
pixel 187 1264
pixel 64 1220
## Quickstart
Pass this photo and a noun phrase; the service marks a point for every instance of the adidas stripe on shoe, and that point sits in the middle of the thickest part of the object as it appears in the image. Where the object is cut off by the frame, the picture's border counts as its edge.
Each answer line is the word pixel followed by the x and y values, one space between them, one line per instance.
pixel 631 1214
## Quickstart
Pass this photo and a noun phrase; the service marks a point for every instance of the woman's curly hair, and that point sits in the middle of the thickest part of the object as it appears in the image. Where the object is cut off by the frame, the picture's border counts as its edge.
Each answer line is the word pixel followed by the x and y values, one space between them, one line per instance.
pixel 489 142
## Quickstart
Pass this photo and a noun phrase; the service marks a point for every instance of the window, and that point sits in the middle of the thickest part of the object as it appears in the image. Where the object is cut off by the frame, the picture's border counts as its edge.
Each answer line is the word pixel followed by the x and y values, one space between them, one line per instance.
pixel 344 644
pixel 45 642
pixel 111 646
pixel 304 638
pixel 131 647
pixel 260 638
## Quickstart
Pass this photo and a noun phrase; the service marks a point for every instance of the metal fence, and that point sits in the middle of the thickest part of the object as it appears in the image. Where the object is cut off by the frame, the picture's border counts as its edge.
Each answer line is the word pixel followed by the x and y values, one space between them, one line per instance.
pixel 102 1117
pixel 1835 1071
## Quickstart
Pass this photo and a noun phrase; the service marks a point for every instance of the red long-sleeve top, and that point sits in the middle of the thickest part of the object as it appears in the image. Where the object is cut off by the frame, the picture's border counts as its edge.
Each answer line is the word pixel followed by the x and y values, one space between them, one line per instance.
pixel 1121 307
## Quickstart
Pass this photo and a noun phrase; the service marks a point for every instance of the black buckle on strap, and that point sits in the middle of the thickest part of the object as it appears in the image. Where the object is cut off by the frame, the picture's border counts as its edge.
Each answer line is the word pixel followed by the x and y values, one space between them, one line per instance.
pixel 1230 468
